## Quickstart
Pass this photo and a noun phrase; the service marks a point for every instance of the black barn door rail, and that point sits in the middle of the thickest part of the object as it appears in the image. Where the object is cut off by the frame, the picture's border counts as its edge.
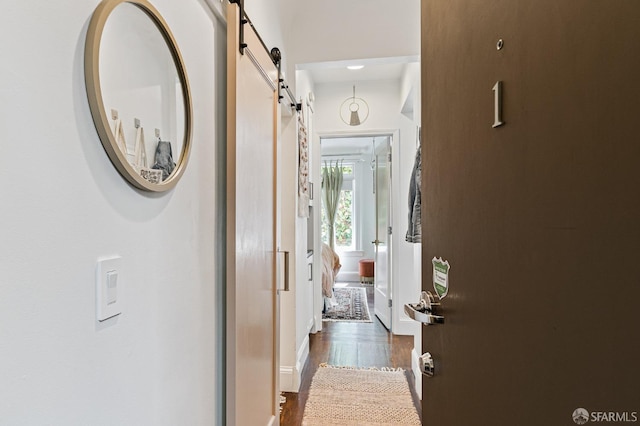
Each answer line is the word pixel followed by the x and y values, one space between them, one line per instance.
pixel 275 54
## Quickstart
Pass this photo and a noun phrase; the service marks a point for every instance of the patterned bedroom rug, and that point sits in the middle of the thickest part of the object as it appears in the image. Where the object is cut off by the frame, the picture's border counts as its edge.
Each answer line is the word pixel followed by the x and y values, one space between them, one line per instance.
pixel 350 304
pixel 348 396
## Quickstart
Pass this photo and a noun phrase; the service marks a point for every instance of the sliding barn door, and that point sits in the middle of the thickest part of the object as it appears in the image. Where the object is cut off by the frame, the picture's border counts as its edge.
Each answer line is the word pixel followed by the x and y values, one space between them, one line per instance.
pixel 252 315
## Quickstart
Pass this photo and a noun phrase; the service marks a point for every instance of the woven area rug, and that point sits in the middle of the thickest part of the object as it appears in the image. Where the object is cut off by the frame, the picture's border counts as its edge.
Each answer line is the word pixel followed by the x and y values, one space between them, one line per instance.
pixel 346 396
pixel 351 305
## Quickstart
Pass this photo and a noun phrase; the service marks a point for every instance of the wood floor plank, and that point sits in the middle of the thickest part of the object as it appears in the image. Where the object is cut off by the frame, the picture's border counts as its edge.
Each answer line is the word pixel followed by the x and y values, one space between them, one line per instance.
pixel 350 344
pixel 374 355
pixel 343 354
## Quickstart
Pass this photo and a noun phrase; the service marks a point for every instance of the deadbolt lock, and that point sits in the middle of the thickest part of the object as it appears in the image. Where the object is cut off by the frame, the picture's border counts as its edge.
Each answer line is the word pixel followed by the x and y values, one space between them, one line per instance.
pixel 427 366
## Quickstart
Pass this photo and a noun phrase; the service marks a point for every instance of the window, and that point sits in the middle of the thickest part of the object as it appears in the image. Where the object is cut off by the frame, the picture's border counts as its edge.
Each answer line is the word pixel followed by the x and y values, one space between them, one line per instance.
pixel 344 228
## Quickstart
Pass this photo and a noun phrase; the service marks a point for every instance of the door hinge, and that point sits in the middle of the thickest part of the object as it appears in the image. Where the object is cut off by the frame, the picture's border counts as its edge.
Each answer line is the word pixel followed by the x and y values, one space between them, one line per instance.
pixel 390 230
pixel 390 303
pixel 389 156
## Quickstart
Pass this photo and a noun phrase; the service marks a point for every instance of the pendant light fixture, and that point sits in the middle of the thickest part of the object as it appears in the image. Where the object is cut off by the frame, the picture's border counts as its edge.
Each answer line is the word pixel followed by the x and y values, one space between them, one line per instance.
pixel 354 111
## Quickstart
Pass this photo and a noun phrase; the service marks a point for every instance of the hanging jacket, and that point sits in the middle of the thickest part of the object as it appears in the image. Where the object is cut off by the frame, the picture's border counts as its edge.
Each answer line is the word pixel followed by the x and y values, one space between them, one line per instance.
pixel 414 233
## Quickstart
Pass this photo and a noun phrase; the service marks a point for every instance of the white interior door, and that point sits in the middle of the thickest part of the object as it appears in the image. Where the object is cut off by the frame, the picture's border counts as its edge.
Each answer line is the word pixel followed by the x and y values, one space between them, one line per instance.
pixel 382 273
pixel 252 314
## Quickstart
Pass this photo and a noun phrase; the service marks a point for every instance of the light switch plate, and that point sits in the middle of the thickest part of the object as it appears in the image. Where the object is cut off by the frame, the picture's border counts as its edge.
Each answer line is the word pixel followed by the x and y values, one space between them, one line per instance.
pixel 109 287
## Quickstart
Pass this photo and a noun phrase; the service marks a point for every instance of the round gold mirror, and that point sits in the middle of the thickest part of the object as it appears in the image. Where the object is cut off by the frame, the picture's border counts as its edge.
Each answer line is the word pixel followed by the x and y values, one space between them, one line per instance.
pixel 138 93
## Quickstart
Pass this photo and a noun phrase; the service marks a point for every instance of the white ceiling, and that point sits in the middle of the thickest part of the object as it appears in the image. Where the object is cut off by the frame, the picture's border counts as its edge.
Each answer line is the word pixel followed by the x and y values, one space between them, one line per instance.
pixel 374 69
pixel 324 36
pixel 328 35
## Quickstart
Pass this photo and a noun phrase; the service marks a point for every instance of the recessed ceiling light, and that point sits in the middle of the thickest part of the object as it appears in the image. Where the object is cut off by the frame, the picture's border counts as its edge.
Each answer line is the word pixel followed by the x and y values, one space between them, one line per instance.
pixel 355 67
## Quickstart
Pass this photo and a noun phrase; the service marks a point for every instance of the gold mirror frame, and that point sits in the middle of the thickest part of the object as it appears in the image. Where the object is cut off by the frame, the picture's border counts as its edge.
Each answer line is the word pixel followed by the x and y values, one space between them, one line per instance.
pixel 96 104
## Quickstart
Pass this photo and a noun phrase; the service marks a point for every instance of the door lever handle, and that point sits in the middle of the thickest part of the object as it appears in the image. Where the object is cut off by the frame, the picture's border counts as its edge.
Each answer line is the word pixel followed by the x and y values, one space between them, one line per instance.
pixel 286 270
pixel 423 311
pixel 417 313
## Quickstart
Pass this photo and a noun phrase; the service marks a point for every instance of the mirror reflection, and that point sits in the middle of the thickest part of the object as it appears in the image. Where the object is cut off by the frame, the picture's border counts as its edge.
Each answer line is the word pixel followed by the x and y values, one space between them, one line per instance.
pixel 141 92
pixel 143 105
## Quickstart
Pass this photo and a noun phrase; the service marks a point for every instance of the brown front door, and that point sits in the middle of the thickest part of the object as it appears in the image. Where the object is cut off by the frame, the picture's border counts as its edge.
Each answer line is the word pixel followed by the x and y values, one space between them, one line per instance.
pixel 539 217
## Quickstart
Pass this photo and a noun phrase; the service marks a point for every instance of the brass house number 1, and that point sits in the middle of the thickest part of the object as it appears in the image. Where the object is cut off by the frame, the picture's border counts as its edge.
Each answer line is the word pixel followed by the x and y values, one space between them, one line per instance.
pixel 497 104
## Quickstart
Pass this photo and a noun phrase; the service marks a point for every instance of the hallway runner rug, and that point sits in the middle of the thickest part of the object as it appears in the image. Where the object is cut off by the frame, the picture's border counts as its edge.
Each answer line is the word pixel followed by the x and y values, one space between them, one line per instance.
pixel 351 305
pixel 348 396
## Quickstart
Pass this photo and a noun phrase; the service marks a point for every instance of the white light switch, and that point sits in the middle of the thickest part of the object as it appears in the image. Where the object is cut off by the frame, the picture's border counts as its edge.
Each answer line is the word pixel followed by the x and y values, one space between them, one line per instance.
pixel 112 287
pixel 108 288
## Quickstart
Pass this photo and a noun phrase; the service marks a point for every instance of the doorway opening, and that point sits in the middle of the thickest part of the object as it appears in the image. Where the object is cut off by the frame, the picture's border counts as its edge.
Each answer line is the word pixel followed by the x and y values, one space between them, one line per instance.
pixel 356 217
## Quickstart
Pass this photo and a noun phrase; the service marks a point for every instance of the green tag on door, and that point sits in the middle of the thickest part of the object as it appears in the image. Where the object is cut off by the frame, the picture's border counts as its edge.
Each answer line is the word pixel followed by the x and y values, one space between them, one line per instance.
pixel 440 276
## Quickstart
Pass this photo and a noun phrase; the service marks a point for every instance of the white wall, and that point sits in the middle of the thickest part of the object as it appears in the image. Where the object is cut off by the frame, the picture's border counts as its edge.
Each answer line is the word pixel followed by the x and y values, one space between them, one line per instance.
pixel 296 305
pixel 64 205
pixel 304 313
pixel 333 30
pixel 272 19
pixel 409 122
pixel 411 89
pixel 288 188
pixel 382 97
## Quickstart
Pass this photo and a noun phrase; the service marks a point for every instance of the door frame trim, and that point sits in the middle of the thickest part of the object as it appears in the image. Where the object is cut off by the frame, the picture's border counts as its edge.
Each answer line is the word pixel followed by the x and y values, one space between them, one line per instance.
pixel 394 134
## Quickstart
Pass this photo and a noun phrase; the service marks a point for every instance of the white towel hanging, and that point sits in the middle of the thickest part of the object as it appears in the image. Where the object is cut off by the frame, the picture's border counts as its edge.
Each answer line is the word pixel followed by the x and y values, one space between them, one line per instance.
pixel 140 151
pixel 119 134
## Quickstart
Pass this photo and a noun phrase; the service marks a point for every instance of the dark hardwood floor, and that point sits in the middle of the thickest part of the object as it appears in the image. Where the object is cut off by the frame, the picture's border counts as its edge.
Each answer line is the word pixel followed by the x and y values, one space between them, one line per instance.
pixel 350 344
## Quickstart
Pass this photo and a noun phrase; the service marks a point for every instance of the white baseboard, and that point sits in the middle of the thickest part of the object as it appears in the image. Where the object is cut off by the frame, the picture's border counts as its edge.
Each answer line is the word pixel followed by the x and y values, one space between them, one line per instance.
pixel 291 376
pixel 405 326
pixel 286 379
pixel 317 324
pixel 417 375
pixel 310 326
pixel 301 359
